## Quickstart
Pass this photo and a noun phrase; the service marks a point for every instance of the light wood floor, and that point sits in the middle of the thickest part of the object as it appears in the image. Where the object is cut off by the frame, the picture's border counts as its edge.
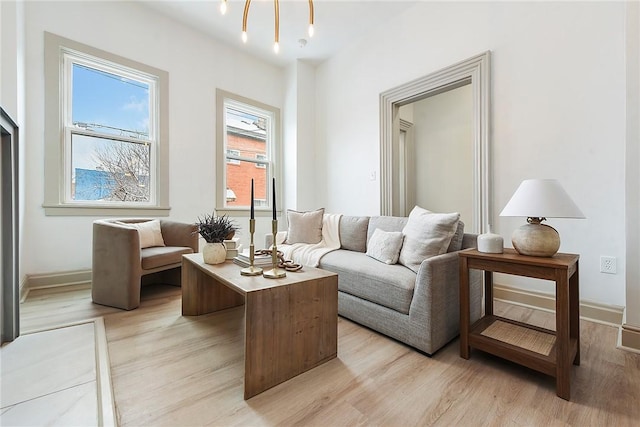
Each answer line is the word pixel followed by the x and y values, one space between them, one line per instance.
pixel 169 370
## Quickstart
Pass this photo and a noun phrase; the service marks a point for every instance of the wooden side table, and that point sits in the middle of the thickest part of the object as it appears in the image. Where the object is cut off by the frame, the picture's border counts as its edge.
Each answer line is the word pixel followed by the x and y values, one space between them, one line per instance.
pixel 546 351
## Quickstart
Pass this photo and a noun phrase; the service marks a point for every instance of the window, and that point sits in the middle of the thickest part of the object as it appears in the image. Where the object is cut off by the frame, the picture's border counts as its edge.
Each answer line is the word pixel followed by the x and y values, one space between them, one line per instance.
pixel 261 157
pixel 113 127
pixel 232 157
pixel 248 137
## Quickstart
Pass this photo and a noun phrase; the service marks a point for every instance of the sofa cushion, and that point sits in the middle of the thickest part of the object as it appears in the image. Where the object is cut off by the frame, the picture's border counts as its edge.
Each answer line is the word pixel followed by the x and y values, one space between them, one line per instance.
pixel 353 232
pixel 160 256
pixel 304 227
pixel 426 234
pixel 385 223
pixel 384 246
pixel 456 240
pixel 388 285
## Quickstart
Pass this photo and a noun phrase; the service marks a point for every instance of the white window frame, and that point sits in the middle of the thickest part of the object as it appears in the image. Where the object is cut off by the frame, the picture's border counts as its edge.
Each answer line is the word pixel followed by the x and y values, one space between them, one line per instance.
pixel 60 55
pixel 274 152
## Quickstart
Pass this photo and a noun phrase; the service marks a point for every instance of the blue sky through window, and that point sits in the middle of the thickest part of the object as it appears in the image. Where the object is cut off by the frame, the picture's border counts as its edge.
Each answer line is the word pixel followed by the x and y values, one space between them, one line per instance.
pixel 109 104
pixel 120 106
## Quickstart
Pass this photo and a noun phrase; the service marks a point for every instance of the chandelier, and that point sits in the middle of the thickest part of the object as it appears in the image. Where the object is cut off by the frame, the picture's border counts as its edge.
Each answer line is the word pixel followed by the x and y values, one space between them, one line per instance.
pixel 276 6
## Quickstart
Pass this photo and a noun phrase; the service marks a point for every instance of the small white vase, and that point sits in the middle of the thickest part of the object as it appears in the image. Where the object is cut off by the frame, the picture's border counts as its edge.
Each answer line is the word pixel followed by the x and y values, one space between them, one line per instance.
pixel 490 243
pixel 214 253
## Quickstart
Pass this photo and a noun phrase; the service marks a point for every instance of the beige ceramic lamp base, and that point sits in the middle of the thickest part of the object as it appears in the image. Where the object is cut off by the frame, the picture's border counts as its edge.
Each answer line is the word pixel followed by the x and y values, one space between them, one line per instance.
pixel 536 239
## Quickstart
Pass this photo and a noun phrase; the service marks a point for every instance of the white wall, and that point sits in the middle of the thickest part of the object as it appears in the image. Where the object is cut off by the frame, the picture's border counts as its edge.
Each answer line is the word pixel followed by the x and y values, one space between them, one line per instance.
pixel 306 152
pixel 299 138
pixel 197 65
pixel 558 111
pixel 633 171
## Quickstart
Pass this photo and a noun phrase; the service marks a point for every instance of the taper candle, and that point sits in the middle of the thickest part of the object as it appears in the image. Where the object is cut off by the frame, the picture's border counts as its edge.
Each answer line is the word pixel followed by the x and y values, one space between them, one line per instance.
pixel 252 217
pixel 274 199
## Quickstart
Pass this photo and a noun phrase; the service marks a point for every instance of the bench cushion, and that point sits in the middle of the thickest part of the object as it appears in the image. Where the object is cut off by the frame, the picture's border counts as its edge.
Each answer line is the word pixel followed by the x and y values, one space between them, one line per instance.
pixel 159 256
pixel 359 275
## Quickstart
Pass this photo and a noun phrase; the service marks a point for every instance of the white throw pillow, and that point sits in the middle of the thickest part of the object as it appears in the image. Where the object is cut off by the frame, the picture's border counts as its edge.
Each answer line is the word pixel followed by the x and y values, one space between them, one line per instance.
pixel 149 231
pixel 426 234
pixel 304 227
pixel 385 246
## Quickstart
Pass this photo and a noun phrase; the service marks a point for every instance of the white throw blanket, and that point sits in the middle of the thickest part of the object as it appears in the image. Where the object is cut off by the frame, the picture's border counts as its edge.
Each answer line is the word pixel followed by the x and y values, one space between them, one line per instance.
pixel 309 254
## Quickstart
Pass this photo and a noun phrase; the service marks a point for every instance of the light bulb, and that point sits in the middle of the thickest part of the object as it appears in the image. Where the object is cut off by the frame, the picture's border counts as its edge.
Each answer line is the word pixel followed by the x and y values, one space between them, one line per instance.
pixel 223 7
pixel 276 47
pixel 244 36
pixel 311 30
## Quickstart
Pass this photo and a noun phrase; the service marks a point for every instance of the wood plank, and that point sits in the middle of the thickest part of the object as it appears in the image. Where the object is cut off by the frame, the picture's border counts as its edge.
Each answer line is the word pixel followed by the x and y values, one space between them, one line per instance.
pixel 563 270
pixel 289 330
pixel 465 313
pixel 172 370
pixel 291 322
pixel 202 293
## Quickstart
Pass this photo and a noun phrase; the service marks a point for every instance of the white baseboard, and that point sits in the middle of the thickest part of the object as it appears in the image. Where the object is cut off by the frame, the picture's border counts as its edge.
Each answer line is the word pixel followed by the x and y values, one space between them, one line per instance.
pixel 23 289
pixel 589 310
pixel 629 338
pixel 52 280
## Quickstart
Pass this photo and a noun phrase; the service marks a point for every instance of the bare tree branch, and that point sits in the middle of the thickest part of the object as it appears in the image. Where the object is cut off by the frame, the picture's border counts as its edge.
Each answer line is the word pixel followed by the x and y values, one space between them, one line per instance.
pixel 128 166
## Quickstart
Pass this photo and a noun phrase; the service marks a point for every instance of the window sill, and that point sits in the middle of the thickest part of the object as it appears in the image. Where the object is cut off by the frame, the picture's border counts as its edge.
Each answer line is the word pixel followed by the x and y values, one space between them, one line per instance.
pixel 67 210
pixel 244 212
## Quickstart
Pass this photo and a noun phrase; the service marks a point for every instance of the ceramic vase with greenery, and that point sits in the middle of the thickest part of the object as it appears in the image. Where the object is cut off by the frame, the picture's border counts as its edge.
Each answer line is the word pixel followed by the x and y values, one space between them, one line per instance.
pixel 215 230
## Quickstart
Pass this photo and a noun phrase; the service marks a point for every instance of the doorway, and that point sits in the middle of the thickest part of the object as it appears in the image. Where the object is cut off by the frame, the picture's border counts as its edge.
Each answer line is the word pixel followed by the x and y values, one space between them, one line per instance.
pixel 436 154
pixel 473 72
pixel 10 295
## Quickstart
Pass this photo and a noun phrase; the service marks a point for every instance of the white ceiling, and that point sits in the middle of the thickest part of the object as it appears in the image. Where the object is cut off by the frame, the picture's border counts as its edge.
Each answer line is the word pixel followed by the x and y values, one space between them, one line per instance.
pixel 337 22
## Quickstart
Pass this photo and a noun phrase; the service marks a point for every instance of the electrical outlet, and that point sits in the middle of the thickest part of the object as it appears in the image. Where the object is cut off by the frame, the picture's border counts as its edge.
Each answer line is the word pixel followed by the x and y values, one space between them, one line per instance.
pixel 608 264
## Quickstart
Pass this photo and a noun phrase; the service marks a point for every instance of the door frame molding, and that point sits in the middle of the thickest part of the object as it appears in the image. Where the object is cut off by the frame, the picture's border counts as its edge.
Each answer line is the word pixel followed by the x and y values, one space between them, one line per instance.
pixel 474 71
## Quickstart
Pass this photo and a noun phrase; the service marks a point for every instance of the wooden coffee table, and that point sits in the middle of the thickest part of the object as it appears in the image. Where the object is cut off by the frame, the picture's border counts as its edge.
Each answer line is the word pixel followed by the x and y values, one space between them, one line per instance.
pixel 291 324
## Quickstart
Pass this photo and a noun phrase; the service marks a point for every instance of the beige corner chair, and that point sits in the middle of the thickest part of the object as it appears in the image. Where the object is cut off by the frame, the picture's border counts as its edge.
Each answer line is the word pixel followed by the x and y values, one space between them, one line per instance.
pixel 121 266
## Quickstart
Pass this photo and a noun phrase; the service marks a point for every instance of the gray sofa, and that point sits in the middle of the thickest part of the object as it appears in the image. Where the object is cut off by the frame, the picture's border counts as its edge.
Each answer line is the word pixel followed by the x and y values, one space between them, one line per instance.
pixel 421 310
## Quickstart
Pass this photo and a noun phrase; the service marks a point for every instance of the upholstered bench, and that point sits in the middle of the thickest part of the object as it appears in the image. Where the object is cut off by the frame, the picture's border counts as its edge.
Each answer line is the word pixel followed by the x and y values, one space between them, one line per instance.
pixel 128 253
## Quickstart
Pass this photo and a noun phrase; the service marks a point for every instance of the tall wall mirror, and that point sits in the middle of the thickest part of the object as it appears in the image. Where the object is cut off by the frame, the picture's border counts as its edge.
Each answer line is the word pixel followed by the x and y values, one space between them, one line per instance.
pixel 435 143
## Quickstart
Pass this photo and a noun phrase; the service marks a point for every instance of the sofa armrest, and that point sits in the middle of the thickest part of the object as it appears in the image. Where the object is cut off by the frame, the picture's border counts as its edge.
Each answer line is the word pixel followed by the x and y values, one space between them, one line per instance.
pixel 437 282
pixel 436 298
pixel 116 254
pixel 179 234
pixel 469 240
pixel 268 238
pixel 112 238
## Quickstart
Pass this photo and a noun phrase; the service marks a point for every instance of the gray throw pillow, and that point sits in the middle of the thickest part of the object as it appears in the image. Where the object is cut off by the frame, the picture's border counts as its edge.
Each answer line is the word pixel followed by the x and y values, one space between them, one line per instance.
pixel 353 232
pixel 426 234
pixel 456 240
pixel 304 227
pixel 385 246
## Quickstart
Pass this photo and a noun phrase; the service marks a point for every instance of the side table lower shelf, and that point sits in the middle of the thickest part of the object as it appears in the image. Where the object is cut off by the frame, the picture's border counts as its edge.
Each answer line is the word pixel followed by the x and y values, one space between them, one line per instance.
pixel 518 342
pixel 549 352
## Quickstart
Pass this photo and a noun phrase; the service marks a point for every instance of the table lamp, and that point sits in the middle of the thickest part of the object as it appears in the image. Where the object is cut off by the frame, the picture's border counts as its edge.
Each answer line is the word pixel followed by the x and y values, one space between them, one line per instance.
pixel 539 199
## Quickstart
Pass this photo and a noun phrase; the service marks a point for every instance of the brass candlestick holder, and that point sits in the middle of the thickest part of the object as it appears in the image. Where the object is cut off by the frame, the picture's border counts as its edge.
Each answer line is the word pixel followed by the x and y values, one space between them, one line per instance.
pixel 251 270
pixel 275 272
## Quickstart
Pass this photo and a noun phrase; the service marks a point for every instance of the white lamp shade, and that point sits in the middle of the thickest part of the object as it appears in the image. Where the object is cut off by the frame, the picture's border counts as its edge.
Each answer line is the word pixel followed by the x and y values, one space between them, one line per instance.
pixel 541 198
